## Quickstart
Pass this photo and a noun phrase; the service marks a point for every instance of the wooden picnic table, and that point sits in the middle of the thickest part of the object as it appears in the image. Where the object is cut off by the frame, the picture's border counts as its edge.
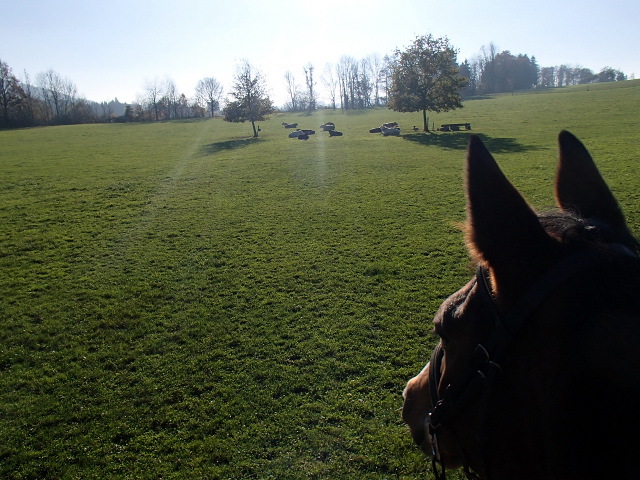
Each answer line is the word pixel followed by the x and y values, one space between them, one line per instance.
pixel 454 127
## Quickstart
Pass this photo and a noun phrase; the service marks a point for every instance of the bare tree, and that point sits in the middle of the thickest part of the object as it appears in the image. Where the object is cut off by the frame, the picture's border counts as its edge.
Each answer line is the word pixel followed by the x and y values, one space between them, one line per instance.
pixel 365 86
pixel 30 100
pixel 208 92
pixel 341 77
pixel 330 82
pixel 171 97
pixel 59 95
pixel 353 75
pixel 345 71
pixel 292 89
pixel 375 65
pixel 489 53
pixel 50 85
pixel 69 96
pixel 153 95
pixel 386 73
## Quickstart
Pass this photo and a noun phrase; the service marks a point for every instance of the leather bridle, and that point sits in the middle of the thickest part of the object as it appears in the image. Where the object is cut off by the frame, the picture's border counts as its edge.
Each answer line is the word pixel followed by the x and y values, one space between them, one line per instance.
pixel 483 371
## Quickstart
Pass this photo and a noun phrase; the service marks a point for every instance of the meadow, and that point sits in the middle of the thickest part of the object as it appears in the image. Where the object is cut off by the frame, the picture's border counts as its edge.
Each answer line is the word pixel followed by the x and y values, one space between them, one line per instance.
pixel 179 300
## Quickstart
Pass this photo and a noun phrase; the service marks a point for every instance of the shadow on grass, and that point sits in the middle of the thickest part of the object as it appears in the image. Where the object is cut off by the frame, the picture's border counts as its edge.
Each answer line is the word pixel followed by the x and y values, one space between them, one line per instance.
pixel 460 140
pixel 481 96
pixel 229 145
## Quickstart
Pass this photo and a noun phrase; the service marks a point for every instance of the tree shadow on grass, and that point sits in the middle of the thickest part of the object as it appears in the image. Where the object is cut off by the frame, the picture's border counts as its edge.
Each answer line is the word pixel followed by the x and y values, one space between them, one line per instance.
pixel 213 148
pixel 460 140
pixel 481 96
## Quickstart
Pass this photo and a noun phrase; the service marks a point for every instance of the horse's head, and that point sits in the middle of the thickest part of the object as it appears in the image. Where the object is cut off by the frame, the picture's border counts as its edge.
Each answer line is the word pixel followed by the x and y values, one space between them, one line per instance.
pixel 538 342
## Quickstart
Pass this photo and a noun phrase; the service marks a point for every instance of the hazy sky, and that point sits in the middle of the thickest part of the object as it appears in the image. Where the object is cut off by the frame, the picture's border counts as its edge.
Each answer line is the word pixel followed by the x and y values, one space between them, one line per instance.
pixel 110 48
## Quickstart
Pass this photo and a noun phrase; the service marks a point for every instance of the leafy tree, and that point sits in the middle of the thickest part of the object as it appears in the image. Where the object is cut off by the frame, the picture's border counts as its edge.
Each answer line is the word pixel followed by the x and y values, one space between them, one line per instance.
pixel 250 100
pixel 12 96
pixel 585 75
pixel 506 73
pixel 426 78
pixel 467 71
pixel 128 114
pixel 608 74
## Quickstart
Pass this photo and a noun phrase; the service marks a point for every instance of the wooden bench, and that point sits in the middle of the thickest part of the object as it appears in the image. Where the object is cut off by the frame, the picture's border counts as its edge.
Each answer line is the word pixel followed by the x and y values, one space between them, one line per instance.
pixel 454 127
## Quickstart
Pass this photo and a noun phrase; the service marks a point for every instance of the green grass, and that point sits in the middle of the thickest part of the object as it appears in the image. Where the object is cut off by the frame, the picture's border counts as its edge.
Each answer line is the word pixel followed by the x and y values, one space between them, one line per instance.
pixel 178 300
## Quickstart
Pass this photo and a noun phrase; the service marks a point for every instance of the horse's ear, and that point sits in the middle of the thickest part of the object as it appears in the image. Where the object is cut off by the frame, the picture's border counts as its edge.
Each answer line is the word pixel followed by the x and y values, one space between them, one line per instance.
pixel 581 189
pixel 502 229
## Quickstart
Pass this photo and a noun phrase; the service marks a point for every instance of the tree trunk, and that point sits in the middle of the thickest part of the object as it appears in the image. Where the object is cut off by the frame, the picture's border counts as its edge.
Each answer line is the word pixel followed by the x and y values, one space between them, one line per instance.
pixel 255 132
pixel 424 119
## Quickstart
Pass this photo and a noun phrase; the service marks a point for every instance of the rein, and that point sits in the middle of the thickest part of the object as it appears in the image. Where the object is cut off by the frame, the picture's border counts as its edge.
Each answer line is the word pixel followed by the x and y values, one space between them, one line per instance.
pixel 484 371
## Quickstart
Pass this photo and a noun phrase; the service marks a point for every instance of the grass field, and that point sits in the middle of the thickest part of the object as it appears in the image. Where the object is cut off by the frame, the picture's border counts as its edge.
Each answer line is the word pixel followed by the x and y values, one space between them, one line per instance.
pixel 178 300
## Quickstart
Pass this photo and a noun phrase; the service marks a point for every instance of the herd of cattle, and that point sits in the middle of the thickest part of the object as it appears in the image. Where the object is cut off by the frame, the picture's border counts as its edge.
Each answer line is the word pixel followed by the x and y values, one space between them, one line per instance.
pixel 303 134
pixel 386 129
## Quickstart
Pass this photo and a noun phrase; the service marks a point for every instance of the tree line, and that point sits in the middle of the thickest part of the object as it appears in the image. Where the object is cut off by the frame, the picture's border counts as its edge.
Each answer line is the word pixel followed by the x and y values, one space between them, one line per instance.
pixel 424 77
pixel 54 100
pixel 348 84
pixel 51 99
pixel 491 71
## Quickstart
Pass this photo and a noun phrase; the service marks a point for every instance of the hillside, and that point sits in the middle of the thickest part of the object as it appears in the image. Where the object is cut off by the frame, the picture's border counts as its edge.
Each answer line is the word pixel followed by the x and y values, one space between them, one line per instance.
pixel 180 300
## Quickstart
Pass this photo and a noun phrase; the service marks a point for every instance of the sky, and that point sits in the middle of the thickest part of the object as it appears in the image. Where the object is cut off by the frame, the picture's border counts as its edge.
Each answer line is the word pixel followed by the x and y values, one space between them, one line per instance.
pixel 110 49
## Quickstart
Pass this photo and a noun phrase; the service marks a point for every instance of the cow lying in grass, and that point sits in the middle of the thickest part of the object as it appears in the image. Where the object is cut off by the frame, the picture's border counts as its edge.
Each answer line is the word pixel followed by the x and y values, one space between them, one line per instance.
pixel 298 133
pixel 391 128
pixel 386 131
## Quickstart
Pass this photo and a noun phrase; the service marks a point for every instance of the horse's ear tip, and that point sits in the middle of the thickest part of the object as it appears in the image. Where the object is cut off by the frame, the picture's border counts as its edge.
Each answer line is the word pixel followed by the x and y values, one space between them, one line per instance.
pixel 475 141
pixel 565 137
pixel 476 146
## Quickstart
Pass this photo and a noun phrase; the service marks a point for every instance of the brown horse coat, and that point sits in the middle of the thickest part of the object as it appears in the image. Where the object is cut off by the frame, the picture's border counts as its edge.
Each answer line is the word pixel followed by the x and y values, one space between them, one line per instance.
pixel 567 399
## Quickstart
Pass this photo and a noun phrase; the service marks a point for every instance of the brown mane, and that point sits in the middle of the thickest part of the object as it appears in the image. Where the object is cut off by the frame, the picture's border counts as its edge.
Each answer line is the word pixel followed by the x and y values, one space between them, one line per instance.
pixel 575 231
